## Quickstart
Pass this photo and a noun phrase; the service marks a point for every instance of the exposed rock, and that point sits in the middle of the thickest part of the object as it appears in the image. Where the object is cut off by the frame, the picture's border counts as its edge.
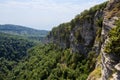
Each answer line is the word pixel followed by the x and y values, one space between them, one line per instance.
pixel 82 38
pixel 115 76
pixel 117 66
pixel 109 61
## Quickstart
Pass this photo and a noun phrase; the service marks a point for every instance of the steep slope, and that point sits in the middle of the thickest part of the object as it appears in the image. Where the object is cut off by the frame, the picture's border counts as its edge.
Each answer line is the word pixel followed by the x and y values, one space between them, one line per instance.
pixel 82 34
pixel 93 30
pixel 109 64
pixel 23 31
pixel 110 58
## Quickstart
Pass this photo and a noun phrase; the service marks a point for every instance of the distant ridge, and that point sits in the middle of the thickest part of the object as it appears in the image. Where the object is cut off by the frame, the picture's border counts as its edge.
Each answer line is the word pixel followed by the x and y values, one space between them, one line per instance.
pixel 22 30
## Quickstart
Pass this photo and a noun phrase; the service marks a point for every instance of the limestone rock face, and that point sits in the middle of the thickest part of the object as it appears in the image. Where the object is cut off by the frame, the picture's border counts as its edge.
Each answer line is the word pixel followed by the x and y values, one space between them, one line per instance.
pixel 109 63
pixel 81 38
pixel 110 67
pixel 83 34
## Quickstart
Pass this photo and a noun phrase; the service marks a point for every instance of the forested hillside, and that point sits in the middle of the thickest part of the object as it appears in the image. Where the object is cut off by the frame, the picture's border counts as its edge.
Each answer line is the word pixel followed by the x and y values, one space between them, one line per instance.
pixel 26 32
pixel 13 49
pixel 49 62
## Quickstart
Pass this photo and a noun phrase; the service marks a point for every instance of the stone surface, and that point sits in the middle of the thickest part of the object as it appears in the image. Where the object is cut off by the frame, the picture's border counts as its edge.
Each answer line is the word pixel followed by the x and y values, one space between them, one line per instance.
pixel 117 66
pixel 108 61
pixel 110 64
pixel 87 30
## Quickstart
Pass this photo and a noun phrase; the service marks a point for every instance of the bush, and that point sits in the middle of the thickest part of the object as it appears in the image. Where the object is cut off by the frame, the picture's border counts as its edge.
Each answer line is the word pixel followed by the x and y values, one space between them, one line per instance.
pixel 113 45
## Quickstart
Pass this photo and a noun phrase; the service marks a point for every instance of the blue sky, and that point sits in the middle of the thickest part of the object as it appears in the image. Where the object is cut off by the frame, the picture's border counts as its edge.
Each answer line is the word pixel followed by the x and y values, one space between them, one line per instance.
pixel 42 14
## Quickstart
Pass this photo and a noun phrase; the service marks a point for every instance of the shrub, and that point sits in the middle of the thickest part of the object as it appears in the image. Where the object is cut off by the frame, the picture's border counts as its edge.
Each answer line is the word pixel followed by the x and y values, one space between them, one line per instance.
pixel 113 45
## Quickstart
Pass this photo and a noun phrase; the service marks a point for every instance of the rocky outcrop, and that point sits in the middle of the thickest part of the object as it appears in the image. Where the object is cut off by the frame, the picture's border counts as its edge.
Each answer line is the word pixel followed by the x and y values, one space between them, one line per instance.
pixel 89 32
pixel 109 61
pixel 80 34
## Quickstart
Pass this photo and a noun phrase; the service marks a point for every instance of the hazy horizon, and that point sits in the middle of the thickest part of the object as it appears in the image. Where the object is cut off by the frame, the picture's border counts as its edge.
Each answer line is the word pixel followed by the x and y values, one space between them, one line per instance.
pixel 42 14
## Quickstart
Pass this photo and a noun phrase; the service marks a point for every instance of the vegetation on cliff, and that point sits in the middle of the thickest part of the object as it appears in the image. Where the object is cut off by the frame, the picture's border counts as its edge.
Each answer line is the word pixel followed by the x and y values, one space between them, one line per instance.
pixel 61 34
pixel 113 45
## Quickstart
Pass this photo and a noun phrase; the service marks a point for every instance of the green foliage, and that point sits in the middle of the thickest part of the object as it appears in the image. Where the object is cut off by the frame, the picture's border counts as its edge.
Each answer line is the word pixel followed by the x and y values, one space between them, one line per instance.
pixel 12 47
pixel 12 50
pixel 100 22
pixel 61 34
pixel 75 66
pixel 21 30
pixel 37 35
pixel 89 14
pixel 48 62
pixel 113 46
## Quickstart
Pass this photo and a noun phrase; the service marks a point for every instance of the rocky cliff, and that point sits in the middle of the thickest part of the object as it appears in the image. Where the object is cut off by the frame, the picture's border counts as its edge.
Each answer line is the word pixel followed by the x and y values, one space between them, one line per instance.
pixel 110 62
pixel 90 31
pixel 81 34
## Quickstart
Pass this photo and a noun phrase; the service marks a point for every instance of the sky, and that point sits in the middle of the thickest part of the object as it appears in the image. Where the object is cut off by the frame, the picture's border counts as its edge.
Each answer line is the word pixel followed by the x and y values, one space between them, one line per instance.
pixel 42 14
